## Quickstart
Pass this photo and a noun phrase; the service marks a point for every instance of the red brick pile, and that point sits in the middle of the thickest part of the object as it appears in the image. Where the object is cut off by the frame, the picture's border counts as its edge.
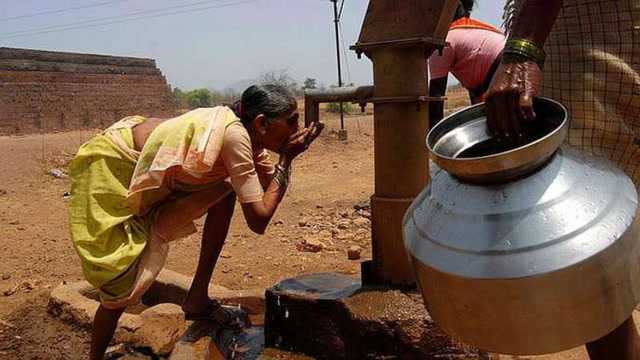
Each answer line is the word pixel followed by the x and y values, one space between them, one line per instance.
pixel 45 90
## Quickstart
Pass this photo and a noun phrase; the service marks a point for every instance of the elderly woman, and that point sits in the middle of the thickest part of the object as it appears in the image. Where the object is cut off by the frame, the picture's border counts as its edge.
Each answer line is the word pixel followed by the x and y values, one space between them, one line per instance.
pixel 142 182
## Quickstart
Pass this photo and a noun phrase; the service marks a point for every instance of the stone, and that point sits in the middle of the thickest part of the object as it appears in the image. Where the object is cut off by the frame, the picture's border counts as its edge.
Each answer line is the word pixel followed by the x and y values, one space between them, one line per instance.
pixel 11 290
pixel 27 286
pixel 75 303
pixel 363 232
pixel 161 327
pixel 362 205
pixel 136 356
pixel 310 244
pixel 320 314
pixel 353 253
pixel 303 222
pixel 344 224
pixel 6 276
pixel 116 351
pixel 58 174
pixel 362 222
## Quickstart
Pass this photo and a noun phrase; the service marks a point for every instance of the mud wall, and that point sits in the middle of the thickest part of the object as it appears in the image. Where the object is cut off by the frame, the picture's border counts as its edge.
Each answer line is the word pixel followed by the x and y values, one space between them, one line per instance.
pixel 47 91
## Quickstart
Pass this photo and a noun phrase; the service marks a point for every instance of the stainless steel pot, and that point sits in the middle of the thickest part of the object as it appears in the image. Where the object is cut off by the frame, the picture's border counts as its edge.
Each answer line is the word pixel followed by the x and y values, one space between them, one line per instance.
pixel 526 251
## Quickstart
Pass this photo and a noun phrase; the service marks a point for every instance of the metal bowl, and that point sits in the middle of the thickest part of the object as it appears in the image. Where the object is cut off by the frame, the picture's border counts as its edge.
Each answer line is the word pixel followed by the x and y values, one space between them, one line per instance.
pixel 462 145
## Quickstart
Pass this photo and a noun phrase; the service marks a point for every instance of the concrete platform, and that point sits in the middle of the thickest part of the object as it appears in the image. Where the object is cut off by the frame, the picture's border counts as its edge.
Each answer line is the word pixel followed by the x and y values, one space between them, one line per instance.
pixel 331 316
pixel 158 323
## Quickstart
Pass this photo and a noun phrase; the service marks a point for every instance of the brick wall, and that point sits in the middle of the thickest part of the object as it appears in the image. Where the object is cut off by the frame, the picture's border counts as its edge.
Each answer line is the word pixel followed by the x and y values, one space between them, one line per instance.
pixel 45 91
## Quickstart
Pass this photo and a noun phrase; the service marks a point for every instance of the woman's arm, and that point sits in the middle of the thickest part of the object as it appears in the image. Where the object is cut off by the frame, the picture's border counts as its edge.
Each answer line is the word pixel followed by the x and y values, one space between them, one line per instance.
pixel 258 213
pixel 519 77
pixel 535 20
pixel 264 168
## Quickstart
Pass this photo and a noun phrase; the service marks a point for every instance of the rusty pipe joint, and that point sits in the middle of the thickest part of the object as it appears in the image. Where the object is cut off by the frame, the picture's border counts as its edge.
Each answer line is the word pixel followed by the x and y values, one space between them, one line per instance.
pixel 313 98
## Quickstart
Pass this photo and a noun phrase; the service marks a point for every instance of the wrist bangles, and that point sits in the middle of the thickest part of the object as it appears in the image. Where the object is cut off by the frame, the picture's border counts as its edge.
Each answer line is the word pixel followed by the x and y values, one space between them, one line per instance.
pixel 282 175
pixel 526 49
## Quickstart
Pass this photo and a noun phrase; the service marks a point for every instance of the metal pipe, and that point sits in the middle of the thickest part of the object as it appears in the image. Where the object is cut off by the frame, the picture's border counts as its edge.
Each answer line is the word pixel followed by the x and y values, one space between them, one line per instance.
pixel 398 37
pixel 313 98
pixel 401 162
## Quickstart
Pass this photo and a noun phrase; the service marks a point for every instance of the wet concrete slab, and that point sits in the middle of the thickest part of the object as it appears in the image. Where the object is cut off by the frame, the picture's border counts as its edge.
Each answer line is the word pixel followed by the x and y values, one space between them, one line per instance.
pixel 331 316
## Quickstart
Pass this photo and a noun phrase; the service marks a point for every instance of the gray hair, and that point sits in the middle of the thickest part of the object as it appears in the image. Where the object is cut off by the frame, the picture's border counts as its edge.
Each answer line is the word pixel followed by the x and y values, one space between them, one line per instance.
pixel 269 100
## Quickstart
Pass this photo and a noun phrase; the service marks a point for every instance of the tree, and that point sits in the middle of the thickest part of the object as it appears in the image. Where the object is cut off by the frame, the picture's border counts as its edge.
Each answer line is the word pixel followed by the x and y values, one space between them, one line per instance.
pixel 310 83
pixel 282 78
pixel 180 98
pixel 199 98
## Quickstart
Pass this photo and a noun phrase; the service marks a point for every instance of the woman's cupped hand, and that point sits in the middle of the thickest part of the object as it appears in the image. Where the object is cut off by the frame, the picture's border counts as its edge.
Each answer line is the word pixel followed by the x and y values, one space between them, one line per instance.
pixel 300 141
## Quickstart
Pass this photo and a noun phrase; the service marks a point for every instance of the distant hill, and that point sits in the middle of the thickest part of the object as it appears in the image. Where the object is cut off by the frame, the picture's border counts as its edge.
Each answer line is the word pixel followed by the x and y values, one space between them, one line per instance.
pixel 239 86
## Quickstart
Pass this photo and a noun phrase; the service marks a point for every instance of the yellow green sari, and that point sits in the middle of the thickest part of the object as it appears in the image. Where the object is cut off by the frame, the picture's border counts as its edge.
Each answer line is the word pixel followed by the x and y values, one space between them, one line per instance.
pixel 117 191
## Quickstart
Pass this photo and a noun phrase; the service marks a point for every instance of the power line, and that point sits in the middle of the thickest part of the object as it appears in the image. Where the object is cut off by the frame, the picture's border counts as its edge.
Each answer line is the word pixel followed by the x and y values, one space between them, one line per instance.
pixel 90 21
pixel 59 11
pixel 58 29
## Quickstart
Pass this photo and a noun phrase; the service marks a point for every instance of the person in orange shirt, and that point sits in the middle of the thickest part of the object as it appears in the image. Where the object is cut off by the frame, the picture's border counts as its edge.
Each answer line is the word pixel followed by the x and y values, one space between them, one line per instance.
pixel 472 55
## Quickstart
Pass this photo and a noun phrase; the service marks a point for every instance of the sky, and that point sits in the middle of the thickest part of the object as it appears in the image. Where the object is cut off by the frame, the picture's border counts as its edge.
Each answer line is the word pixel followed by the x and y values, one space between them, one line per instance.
pixel 222 43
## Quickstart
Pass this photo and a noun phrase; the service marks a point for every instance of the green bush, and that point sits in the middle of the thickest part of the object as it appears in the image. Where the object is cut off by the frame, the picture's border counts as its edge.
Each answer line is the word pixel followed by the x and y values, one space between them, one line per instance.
pixel 347 107
pixel 202 98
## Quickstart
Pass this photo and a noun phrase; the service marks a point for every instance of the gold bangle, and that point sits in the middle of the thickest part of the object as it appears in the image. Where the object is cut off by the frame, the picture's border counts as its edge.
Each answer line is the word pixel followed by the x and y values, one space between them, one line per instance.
pixel 527 49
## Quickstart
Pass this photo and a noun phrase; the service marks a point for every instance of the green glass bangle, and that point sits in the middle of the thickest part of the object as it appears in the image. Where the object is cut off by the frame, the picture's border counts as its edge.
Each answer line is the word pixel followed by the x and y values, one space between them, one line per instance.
pixel 526 49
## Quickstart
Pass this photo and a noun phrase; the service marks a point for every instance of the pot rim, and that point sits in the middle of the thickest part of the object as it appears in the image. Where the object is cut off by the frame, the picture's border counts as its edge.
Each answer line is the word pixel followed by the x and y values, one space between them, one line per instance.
pixel 500 166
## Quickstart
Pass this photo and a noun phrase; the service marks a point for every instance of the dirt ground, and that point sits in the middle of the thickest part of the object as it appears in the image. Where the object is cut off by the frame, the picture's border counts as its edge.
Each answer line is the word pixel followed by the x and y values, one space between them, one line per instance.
pixel 36 252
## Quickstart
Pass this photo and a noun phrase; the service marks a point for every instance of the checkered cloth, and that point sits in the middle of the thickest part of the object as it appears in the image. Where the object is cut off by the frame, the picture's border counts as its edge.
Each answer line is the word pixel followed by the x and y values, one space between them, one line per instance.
pixel 592 67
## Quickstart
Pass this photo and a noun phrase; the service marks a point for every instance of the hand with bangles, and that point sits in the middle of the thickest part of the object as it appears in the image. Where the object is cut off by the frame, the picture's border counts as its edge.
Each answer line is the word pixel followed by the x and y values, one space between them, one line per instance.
pixel 510 99
pixel 518 79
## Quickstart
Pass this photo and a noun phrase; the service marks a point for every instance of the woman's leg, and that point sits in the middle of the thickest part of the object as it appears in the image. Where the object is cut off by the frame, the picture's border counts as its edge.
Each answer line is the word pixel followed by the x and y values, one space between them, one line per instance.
pixel 104 325
pixel 622 343
pixel 216 227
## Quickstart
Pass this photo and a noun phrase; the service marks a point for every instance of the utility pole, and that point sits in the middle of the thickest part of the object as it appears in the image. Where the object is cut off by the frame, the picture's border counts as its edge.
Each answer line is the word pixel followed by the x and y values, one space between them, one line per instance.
pixel 342 135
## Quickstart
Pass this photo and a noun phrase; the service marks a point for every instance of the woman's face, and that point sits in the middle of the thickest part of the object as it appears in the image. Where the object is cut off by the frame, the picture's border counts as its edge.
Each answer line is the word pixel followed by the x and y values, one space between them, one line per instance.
pixel 274 133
